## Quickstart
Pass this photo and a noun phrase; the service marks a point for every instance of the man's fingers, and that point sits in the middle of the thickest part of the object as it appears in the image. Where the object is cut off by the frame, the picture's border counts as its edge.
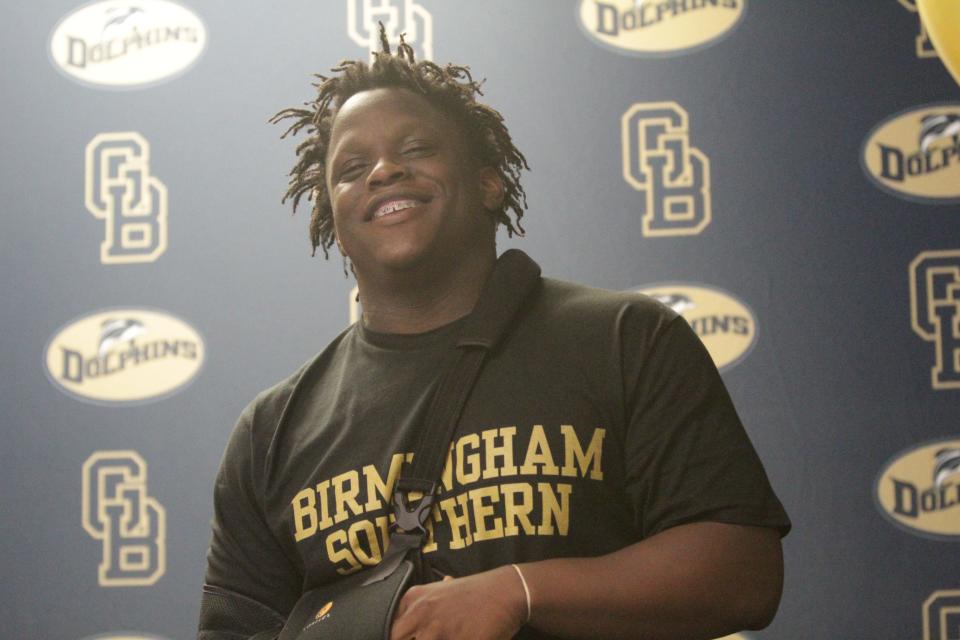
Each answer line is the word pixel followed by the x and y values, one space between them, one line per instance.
pixel 404 624
pixel 402 606
pixel 401 629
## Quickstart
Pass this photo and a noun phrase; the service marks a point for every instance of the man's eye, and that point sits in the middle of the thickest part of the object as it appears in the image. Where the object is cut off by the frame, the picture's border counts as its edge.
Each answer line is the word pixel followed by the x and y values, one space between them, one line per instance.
pixel 351 171
pixel 416 148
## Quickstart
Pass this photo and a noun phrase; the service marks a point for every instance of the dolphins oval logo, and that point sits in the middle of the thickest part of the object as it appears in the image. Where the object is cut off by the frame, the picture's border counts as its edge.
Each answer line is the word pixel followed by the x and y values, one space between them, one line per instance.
pixel 726 325
pixel 639 27
pixel 915 154
pixel 121 356
pixel 919 489
pixel 126 44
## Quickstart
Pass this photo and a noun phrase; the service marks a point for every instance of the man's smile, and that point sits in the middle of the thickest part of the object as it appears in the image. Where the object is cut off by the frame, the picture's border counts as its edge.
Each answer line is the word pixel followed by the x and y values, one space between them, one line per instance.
pixel 392 205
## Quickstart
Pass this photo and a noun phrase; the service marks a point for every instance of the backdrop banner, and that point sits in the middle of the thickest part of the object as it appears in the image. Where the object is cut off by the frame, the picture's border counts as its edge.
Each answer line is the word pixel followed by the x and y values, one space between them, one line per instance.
pixel 785 175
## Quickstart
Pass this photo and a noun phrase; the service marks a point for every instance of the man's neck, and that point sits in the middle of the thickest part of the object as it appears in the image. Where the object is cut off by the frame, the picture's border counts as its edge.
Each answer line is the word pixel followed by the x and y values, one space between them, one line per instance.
pixel 423 298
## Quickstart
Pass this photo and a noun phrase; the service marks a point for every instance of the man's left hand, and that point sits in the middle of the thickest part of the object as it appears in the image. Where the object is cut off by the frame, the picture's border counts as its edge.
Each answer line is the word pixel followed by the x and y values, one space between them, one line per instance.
pixel 487 606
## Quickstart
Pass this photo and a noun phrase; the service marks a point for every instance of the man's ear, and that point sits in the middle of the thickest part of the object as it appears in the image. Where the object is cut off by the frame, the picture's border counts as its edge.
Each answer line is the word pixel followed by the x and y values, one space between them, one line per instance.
pixel 491 188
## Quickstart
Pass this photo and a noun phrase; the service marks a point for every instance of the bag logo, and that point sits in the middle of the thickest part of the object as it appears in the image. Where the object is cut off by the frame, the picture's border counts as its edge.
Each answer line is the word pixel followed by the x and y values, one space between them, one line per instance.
pixel 915 155
pixel 643 28
pixel 941 615
pixel 121 44
pixel 919 490
pixel 324 610
pixel 935 312
pixel 130 524
pixel 672 177
pixel 398 17
pixel 123 356
pixel 322 614
pixel 726 325
pixel 119 189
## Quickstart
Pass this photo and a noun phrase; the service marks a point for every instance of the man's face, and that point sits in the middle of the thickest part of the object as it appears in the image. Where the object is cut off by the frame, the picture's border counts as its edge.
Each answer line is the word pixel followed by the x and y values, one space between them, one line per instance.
pixel 404 188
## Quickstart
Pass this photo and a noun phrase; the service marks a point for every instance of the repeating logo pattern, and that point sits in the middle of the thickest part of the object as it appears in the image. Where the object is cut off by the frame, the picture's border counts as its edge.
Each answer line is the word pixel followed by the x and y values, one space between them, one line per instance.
pixel 661 27
pixel 915 154
pixel 924 47
pixel 672 176
pixel 919 489
pixel 398 17
pixel 726 325
pixel 130 524
pixel 126 44
pixel 935 312
pixel 941 615
pixel 120 190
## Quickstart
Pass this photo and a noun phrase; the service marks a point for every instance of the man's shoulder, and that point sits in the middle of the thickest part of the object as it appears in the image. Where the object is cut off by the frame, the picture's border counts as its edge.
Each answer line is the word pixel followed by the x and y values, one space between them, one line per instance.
pixel 269 405
pixel 564 313
pixel 567 300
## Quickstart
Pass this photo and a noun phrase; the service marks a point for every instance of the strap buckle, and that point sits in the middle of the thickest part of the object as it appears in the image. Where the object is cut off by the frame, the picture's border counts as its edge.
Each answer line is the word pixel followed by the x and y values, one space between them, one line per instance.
pixel 409 528
pixel 412 503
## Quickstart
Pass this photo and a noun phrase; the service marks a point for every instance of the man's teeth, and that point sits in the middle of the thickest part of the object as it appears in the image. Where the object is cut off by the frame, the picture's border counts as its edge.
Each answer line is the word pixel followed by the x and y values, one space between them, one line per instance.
pixel 393 206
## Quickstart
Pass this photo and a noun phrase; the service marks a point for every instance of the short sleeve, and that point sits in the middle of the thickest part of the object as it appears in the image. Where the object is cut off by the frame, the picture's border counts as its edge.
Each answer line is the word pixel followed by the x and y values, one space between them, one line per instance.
pixel 687 455
pixel 246 565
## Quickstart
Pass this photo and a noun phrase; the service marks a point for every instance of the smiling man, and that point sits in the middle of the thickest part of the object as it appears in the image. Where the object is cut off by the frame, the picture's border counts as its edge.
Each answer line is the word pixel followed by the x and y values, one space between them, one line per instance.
pixel 407 196
pixel 599 483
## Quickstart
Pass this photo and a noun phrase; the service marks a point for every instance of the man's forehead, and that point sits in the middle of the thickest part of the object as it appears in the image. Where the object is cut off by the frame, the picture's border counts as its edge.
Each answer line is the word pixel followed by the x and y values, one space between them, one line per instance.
pixel 396 102
pixel 385 113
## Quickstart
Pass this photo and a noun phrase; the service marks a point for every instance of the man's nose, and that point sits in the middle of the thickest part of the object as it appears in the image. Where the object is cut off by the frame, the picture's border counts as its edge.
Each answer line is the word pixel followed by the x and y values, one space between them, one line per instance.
pixel 385 172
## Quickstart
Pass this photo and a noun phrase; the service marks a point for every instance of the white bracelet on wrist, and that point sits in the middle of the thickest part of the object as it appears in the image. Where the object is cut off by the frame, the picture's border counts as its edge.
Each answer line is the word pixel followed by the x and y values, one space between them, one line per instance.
pixel 526 591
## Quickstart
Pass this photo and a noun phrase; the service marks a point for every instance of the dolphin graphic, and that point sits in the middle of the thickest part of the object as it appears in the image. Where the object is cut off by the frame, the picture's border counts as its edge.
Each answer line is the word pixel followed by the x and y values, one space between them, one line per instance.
pixel 947 464
pixel 118 330
pixel 676 301
pixel 933 128
pixel 120 17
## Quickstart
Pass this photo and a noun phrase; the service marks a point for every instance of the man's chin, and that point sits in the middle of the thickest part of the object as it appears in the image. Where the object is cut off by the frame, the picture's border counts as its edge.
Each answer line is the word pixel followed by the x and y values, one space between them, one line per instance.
pixel 427 260
pixel 397 260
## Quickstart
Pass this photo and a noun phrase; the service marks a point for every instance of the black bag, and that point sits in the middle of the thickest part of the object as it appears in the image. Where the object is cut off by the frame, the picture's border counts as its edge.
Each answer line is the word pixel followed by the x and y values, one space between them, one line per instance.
pixel 348 609
pixel 362 606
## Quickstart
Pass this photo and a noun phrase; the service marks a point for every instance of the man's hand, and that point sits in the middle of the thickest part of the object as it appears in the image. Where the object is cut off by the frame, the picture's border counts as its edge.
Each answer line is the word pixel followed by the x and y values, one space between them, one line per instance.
pixel 699 580
pixel 485 606
pixel 694 581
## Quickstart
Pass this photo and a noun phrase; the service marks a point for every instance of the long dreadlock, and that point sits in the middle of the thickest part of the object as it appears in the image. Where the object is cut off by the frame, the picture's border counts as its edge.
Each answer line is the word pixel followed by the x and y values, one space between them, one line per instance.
pixel 450 88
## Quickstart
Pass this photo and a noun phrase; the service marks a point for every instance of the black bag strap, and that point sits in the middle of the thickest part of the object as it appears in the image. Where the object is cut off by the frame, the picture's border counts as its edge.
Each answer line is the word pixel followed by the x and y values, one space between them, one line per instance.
pixel 513 279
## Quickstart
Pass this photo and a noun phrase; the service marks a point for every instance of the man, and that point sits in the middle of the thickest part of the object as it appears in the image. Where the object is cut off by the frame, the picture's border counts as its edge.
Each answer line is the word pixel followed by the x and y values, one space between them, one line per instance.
pixel 598 453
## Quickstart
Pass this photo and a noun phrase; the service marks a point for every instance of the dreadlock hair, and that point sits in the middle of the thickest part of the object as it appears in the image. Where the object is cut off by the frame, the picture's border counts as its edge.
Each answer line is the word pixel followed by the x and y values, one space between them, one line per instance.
pixel 450 88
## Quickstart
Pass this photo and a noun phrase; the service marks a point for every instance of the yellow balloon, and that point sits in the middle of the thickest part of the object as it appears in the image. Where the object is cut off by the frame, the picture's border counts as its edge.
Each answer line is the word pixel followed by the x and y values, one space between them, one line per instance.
pixel 942 20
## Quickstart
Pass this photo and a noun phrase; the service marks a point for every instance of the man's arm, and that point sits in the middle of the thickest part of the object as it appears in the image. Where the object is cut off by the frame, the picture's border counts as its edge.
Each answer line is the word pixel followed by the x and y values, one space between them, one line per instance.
pixel 250 582
pixel 693 581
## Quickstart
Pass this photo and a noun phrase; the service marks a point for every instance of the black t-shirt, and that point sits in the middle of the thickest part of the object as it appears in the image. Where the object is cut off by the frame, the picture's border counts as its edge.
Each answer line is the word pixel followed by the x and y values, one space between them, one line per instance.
pixel 599 421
